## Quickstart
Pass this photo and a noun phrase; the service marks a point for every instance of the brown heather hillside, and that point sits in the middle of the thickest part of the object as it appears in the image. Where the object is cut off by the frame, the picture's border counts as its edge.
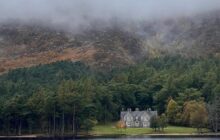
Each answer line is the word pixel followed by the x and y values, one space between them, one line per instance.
pixel 25 46
pixel 112 47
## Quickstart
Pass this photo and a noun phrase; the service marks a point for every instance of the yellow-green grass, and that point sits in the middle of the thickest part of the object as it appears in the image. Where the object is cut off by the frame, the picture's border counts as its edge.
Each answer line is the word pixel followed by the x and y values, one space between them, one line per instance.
pixel 110 129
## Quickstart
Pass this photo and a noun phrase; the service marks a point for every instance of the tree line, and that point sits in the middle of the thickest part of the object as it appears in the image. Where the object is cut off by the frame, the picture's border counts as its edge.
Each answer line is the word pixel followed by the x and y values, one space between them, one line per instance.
pixel 68 98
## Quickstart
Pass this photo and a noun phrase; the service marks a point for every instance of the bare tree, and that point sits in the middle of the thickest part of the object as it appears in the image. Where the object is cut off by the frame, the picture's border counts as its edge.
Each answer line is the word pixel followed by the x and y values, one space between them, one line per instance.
pixel 214 113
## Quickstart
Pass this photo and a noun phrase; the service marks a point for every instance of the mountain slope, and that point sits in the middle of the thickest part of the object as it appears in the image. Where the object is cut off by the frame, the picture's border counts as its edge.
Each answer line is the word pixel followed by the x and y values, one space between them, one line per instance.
pixel 23 46
pixel 110 47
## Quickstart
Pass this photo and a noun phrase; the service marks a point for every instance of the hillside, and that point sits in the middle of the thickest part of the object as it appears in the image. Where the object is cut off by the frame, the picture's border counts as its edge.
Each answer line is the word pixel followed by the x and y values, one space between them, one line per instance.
pixel 111 47
pixel 24 46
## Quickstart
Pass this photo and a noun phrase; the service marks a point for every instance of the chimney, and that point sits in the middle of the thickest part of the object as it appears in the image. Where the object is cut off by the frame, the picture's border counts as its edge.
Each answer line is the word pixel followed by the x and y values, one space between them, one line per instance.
pixel 129 109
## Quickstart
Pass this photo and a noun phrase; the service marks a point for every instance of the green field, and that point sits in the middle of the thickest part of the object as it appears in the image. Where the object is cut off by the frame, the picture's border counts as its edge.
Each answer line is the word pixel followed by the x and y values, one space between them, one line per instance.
pixel 109 129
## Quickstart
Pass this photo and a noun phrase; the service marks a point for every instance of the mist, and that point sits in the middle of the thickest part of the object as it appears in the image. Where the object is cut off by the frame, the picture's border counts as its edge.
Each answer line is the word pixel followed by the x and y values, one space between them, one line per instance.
pixel 76 14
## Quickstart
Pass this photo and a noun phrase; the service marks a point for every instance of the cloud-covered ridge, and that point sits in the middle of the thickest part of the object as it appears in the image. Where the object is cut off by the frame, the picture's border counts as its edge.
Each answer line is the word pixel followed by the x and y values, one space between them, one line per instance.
pixel 80 13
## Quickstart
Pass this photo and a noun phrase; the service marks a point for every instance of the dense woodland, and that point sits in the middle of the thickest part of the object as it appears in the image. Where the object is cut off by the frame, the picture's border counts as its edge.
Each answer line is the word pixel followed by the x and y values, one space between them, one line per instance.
pixel 68 97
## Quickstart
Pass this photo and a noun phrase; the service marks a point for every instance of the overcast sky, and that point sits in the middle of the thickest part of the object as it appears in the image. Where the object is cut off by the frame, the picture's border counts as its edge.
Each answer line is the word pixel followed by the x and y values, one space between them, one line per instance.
pixel 80 12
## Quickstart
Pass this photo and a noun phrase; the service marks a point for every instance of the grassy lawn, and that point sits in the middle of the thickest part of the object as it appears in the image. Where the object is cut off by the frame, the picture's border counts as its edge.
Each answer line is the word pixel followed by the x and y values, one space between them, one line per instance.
pixel 109 129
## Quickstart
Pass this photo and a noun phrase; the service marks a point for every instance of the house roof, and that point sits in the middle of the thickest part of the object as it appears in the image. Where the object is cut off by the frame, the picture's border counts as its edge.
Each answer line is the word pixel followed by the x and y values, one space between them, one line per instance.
pixel 138 113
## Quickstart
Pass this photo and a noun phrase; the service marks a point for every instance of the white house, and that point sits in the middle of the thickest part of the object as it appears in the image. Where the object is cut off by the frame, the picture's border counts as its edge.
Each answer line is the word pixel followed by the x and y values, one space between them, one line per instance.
pixel 137 118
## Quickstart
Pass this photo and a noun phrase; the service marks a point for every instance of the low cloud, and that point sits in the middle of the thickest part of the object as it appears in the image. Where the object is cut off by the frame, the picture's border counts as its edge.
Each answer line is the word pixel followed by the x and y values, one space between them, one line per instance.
pixel 75 14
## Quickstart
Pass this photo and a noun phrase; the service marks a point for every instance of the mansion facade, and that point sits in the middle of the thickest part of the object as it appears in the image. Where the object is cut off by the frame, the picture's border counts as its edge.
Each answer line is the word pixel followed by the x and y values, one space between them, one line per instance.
pixel 137 118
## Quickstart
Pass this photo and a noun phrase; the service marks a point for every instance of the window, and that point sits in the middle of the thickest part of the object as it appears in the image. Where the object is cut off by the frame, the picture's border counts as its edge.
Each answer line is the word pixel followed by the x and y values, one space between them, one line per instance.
pixel 128 123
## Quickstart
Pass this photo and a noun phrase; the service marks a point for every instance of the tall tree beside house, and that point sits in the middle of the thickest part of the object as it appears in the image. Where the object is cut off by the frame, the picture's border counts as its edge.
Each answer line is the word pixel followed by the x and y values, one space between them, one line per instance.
pixel 171 111
pixel 163 122
pixel 195 114
pixel 158 123
pixel 199 117
pixel 104 103
pixel 154 123
pixel 88 124
pixel 88 120
pixel 188 108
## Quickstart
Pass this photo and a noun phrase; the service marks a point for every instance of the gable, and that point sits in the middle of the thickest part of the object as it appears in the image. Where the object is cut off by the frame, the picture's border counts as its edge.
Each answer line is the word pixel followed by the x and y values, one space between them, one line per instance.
pixel 128 117
pixel 145 116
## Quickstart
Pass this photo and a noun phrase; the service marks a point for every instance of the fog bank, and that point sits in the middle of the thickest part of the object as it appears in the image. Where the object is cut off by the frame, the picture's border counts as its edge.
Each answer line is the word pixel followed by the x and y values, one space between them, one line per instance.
pixel 75 14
